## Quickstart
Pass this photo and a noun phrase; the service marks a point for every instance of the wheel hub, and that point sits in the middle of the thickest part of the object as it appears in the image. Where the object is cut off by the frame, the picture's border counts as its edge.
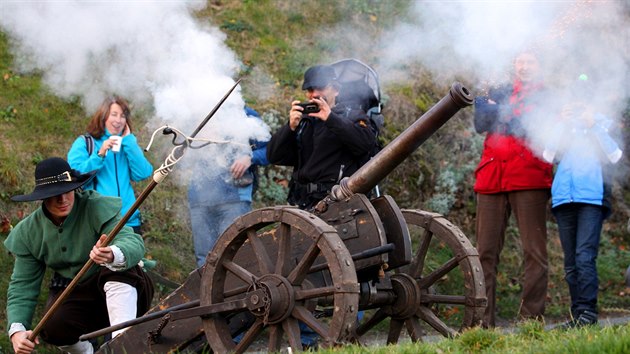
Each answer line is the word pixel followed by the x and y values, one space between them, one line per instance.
pixel 408 296
pixel 278 299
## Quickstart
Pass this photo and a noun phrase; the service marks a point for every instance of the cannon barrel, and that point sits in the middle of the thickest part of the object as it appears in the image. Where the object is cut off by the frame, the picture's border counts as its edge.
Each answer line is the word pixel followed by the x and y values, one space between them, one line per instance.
pixel 383 163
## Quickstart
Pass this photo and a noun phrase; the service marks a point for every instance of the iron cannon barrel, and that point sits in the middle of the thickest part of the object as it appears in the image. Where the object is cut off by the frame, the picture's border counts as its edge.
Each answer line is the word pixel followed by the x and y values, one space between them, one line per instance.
pixel 370 174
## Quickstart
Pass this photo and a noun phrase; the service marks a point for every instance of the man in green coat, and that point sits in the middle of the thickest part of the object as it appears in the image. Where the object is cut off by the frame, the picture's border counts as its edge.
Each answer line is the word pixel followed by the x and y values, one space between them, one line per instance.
pixel 66 231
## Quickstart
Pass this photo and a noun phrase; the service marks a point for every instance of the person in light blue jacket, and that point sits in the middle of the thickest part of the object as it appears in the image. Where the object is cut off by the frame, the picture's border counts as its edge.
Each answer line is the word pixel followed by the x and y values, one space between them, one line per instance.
pixel 580 197
pixel 110 148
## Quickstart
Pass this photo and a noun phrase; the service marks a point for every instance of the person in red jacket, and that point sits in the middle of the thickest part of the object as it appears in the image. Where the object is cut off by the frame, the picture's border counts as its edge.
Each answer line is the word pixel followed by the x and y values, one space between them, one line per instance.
pixel 511 179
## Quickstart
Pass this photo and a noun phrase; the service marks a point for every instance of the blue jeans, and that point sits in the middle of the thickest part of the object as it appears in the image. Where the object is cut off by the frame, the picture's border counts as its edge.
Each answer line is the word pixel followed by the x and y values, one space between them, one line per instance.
pixel 580 226
pixel 209 222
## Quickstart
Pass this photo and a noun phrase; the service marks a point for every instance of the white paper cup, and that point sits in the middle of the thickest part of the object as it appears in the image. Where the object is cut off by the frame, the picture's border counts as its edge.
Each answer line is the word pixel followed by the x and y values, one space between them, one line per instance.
pixel 118 140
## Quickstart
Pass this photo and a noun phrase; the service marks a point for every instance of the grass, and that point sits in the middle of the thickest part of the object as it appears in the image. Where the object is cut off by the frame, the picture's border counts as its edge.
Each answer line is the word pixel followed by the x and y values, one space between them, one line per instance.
pixel 278 39
pixel 529 337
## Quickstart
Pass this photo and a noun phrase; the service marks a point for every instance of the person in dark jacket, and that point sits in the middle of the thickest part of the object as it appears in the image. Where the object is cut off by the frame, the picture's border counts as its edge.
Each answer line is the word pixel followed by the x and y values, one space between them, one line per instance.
pixel 510 178
pixel 323 147
pixel 580 195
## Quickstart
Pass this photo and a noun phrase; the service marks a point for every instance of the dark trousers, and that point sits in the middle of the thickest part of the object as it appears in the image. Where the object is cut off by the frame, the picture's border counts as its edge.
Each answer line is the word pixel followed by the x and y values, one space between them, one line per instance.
pixel 137 229
pixel 580 226
pixel 85 310
pixel 530 210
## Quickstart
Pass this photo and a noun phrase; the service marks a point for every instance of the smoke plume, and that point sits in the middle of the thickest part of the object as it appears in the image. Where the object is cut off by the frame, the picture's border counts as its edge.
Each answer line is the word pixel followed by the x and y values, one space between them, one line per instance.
pixel 150 52
pixel 477 41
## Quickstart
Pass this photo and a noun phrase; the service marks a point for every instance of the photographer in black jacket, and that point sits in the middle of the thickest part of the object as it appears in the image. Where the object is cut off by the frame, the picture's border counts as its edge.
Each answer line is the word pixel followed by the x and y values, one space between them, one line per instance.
pixel 323 146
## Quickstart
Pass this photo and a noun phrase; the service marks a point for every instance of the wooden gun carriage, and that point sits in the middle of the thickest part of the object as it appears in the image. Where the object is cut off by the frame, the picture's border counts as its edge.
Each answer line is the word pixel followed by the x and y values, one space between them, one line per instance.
pixel 279 270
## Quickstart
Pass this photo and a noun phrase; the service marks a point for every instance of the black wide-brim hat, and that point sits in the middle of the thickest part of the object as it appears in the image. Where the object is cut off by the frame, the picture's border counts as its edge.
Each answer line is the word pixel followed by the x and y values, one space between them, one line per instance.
pixel 53 177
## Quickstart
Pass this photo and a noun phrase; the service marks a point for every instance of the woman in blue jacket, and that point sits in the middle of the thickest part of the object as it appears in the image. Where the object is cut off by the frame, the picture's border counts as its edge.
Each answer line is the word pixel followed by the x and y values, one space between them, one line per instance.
pixel 117 161
pixel 580 200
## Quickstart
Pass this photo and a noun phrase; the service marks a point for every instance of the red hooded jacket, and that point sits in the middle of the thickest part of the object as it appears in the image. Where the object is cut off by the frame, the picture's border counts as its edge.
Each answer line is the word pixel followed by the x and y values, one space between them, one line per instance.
pixel 507 164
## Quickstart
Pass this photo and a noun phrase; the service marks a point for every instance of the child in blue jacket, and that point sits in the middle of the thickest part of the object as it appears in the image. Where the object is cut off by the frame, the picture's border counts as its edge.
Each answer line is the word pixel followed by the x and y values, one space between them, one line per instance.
pixel 580 198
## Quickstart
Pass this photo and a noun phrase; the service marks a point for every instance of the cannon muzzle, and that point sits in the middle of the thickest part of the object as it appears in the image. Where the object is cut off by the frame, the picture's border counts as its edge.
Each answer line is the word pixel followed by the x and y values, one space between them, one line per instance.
pixel 370 174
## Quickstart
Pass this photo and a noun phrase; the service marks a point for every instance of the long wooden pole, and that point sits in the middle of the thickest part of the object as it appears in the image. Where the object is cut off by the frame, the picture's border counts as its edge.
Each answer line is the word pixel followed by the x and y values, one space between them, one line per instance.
pixel 138 320
pixel 158 176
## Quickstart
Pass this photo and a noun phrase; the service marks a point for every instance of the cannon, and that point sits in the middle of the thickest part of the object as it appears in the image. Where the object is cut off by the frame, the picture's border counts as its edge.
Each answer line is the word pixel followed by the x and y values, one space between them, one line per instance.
pixel 350 265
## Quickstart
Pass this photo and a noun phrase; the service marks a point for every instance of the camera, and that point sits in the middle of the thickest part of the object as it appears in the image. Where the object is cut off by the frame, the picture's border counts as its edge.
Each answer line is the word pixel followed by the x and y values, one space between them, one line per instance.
pixel 309 107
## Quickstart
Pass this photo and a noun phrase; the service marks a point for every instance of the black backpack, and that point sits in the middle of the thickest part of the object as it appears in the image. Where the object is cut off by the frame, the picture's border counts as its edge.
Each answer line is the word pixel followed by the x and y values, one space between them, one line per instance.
pixel 360 90
pixel 89 143
pixel 89 146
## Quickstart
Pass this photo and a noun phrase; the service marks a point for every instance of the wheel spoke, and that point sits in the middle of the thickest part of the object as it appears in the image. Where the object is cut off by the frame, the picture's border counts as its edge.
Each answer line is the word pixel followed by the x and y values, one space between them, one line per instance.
pixel 264 261
pixel 429 317
pixel 249 336
pixel 275 338
pixel 240 272
pixel 296 277
pixel 305 294
pixel 284 249
pixel 437 274
pixel 292 329
pixel 444 299
pixel 377 318
pixel 395 327
pixel 415 329
pixel 307 317
pixel 416 267
pixel 236 291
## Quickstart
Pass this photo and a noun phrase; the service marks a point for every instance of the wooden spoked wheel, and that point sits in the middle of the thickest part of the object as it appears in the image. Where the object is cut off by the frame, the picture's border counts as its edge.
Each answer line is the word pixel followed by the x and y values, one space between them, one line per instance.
pixel 294 272
pixel 441 290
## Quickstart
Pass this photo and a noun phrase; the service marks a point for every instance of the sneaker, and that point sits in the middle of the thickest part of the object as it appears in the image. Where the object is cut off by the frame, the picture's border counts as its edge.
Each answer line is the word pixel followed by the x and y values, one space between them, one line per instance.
pixel 586 318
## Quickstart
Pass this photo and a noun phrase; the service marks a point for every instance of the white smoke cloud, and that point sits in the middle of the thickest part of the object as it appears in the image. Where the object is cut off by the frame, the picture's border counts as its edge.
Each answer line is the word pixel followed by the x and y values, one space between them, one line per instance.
pixel 477 41
pixel 156 50
pixel 151 52
pixel 464 37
